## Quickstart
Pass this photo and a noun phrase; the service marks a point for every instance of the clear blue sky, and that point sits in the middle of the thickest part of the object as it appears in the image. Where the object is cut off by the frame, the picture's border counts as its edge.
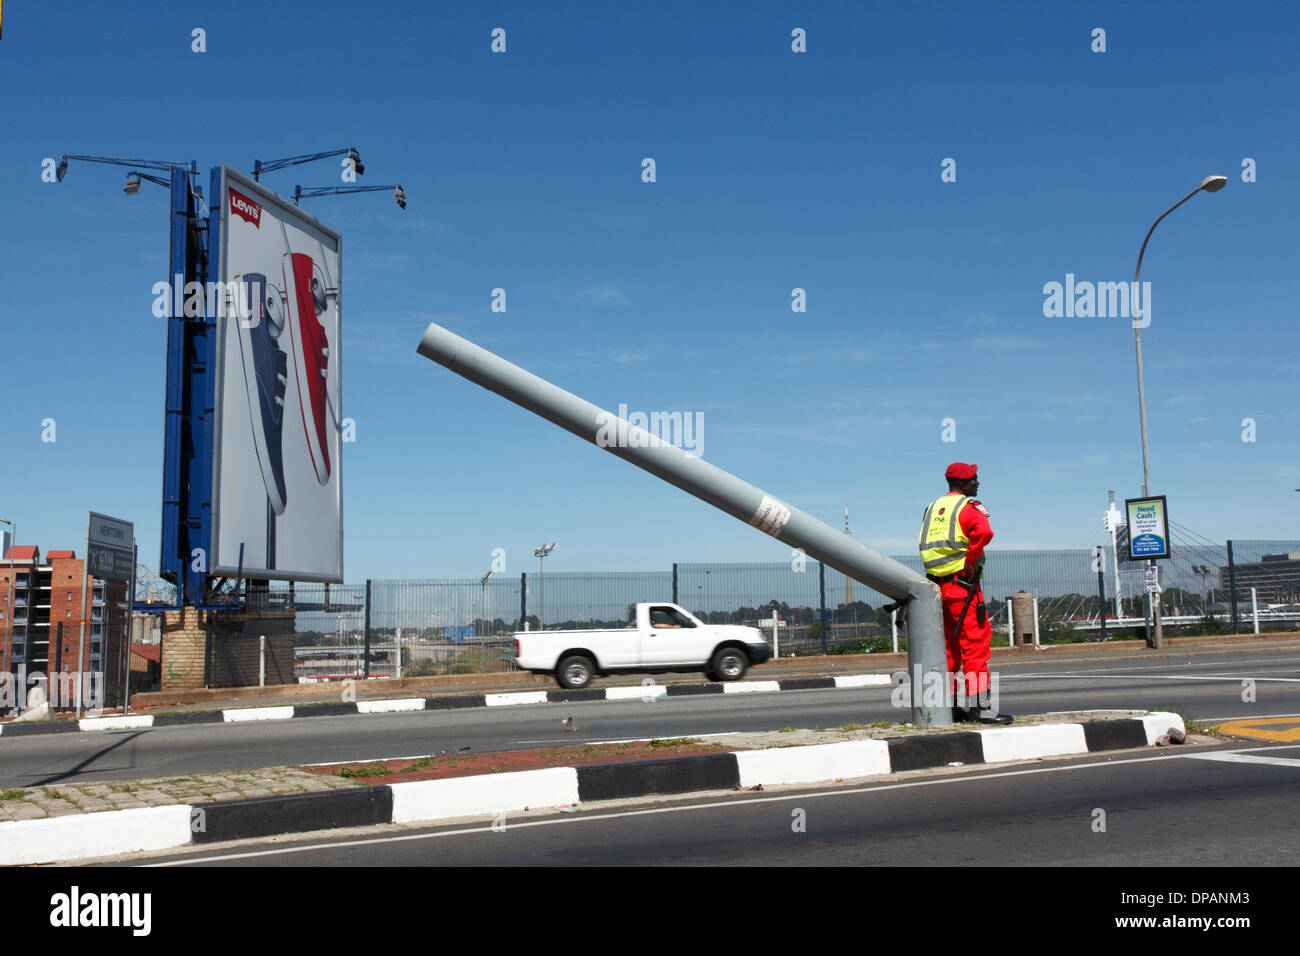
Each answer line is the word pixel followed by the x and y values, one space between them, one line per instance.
pixel 775 170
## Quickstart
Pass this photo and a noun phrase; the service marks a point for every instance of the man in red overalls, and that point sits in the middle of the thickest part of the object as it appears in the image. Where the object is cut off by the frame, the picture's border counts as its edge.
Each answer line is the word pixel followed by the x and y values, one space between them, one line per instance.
pixel 954 534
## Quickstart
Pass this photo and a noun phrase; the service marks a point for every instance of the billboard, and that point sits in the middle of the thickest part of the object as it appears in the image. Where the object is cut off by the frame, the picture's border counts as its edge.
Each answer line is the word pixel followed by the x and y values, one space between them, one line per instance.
pixel 1148 528
pixel 276 486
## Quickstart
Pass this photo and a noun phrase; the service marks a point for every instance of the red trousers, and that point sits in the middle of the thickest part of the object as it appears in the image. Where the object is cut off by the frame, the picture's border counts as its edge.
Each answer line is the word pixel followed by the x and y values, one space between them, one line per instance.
pixel 968 648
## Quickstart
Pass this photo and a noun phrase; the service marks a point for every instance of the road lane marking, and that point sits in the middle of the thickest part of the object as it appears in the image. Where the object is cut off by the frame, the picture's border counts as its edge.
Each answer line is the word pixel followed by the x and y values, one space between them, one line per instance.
pixel 1249 758
pixel 1218 677
pixel 1249 727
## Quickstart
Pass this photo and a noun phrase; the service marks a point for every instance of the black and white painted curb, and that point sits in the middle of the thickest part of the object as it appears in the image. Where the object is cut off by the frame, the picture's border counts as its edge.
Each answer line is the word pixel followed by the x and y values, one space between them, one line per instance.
pixel 395 705
pixel 114 832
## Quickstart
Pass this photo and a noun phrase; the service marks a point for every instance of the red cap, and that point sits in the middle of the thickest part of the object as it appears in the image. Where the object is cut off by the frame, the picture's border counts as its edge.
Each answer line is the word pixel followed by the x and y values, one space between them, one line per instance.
pixel 961 471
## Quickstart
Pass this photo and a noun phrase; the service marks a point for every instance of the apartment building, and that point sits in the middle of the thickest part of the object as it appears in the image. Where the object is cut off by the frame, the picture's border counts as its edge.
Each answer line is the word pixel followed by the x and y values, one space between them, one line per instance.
pixel 43 604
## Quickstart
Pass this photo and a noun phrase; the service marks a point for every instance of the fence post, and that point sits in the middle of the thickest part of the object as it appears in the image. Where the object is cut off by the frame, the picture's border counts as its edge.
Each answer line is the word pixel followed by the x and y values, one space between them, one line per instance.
pixel 261 661
pixel 366 668
pixel 1232 585
pixel 821 568
pixel 675 601
pixel 523 600
pixel 1101 595
pixel 1254 608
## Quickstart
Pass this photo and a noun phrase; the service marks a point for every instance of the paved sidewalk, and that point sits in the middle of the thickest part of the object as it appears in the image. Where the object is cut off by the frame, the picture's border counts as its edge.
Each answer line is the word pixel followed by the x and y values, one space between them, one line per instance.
pixel 38 803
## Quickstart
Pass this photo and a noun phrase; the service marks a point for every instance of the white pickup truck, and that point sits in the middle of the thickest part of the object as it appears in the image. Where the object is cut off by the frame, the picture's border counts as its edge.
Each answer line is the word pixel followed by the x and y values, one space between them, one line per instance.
pixel 662 637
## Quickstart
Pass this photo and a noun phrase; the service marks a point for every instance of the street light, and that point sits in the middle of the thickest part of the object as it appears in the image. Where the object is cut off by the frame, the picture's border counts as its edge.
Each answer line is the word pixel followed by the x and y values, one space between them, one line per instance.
pixel 540 554
pixel 483 593
pixel 4 651
pixel 1210 184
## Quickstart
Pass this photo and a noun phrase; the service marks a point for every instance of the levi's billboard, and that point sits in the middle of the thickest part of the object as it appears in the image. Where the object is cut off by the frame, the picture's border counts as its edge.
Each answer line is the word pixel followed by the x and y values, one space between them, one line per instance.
pixel 276 487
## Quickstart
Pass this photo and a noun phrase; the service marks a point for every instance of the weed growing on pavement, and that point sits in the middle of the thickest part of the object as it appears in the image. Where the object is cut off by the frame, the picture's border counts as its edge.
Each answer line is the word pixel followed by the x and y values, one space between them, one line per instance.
pixel 852 726
pixel 786 730
pixel 12 795
pixel 353 772
pixel 675 742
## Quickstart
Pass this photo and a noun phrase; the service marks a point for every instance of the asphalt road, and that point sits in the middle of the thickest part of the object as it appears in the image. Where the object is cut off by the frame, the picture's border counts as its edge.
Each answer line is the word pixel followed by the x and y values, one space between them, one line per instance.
pixel 1144 809
pixel 1200 684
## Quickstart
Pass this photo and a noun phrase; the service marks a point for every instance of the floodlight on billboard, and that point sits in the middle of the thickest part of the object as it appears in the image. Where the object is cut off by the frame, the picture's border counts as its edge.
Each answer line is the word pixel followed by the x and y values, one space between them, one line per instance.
pixel 276 490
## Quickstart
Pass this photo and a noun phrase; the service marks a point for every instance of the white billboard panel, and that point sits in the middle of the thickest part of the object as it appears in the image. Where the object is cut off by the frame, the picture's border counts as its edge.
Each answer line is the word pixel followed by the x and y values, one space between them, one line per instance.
pixel 276 472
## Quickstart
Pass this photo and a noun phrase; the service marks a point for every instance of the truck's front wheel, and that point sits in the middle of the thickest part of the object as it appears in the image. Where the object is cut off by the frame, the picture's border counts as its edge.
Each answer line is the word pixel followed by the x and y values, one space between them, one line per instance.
pixel 729 663
pixel 574 672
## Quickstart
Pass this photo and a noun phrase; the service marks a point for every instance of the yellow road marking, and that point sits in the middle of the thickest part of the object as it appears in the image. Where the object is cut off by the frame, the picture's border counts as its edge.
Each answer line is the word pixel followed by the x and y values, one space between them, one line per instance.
pixel 1281 729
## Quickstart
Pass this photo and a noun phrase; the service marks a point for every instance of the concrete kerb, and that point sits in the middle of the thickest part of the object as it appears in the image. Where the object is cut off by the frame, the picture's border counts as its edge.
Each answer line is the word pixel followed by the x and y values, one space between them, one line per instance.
pixel 393 705
pixel 110 833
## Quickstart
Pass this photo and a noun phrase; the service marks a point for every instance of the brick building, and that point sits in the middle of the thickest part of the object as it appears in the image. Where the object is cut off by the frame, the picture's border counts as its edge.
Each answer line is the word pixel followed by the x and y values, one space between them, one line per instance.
pixel 41 616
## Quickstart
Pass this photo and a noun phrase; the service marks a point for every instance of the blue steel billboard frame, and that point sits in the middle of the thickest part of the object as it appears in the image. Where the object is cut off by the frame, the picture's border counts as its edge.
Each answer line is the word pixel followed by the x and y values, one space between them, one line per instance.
pixel 187 443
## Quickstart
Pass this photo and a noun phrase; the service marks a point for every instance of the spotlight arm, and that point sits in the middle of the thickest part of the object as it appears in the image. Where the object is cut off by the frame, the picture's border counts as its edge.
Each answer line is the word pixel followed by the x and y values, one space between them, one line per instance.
pixel 313 191
pixel 260 167
pixel 137 164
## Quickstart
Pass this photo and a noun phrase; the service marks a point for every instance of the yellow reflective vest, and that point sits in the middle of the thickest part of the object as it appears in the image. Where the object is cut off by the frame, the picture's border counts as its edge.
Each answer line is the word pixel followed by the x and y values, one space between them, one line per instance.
pixel 943 542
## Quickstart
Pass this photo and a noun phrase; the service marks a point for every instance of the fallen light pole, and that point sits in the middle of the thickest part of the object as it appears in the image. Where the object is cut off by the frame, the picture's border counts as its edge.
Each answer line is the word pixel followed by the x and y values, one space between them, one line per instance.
pixel 927 656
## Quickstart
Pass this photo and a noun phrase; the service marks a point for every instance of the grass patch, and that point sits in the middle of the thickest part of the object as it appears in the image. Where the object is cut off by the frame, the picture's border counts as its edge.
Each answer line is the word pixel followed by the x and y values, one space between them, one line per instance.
pixel 852 727
pixel 786 730
pixel 12 795
pixel 675 742
pixel 880 723
pixel 352 773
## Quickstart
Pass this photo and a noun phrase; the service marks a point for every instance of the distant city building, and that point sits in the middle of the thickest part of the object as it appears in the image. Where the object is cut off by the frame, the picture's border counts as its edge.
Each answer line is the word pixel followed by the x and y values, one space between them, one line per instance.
pixel 41 600
pixel 1276 577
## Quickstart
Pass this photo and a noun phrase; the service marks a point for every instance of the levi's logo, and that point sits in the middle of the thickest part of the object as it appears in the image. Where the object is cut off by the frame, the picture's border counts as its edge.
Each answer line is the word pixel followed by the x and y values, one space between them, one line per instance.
pixel 245 208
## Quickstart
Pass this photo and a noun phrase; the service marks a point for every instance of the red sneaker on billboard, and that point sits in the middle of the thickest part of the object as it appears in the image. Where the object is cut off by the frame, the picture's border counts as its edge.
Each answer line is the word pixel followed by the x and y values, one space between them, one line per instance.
pixel 309 349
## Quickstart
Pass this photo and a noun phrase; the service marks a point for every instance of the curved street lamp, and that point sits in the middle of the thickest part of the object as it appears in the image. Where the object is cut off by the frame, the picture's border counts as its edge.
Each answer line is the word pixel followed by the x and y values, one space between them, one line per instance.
pixel 1210 184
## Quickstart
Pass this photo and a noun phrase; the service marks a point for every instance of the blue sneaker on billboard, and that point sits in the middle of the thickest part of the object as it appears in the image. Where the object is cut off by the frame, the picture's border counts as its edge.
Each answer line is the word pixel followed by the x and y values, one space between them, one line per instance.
pixel 266 375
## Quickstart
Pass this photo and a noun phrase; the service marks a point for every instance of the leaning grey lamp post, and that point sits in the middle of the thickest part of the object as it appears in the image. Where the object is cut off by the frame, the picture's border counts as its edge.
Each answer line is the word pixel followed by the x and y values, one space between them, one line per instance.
pixel 1211 184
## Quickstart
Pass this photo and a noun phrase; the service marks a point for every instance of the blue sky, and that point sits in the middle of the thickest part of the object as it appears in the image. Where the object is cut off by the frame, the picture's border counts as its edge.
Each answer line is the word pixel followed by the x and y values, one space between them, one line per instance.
pixel 775 170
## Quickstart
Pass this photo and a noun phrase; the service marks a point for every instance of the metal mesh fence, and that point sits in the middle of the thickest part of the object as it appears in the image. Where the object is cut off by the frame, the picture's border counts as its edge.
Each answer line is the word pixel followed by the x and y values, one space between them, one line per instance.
pixel 464 625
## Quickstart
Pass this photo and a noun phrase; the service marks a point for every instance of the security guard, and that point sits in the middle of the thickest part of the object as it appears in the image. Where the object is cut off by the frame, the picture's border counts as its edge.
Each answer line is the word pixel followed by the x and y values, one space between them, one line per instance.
pixel 954 533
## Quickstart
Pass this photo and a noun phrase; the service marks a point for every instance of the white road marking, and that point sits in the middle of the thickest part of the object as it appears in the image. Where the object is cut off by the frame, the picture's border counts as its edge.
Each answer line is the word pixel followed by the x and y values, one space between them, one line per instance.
pixel 1245 717
pixel 717 805
pixel 1248 758
pixel 1220 677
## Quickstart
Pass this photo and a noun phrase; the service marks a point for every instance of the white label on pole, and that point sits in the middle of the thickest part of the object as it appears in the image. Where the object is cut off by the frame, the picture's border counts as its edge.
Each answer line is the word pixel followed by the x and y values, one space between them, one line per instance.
pixel 1153 579
pixel 771 516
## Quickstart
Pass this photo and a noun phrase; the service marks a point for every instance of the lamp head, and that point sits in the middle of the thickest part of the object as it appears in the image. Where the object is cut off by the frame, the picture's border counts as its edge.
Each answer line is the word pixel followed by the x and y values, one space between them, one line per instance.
pixel 132 183
pixel 1212 184
pixel 62 169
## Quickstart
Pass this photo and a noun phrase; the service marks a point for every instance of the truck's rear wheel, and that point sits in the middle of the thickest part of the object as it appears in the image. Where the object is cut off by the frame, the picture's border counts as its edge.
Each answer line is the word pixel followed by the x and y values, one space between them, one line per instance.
pixel 574 672
pixel 729 663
